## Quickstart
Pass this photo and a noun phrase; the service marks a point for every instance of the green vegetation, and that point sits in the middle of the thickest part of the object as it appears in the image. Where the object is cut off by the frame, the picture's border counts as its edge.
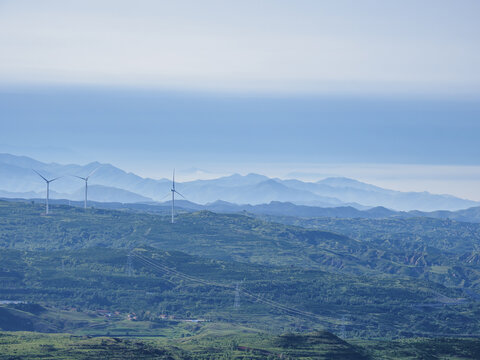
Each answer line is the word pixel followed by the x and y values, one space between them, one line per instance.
pixel 95 279
pixel 399 233
pixel 443 251
pixel 230 343
pixel 121 274
pixel 421 348
pixel 23 345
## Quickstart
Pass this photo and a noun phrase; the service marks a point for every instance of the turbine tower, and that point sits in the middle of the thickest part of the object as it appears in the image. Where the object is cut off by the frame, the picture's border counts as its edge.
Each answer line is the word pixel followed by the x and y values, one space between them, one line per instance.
pixel 86 184
pixel 48 188
pixel 173 196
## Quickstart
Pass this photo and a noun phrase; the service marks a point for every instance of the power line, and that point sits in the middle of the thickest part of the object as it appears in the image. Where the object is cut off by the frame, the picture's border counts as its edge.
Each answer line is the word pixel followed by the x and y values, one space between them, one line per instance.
pixel 171 271
pixel 341 327
pixel 271 303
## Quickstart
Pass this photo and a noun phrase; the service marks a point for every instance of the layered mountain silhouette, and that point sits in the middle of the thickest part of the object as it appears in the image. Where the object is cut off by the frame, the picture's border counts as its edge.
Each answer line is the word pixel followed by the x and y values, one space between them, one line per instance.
pixel 111 184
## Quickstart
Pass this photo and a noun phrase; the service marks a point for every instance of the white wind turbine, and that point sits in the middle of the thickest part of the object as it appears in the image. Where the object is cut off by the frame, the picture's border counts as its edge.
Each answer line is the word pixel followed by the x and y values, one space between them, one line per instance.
pixel 86 184
pixel 173 196
pixel 48 188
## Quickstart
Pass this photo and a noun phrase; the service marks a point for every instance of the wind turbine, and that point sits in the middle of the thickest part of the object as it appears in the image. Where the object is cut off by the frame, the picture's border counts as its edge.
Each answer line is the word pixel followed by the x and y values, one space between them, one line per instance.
pixel 173 196
pixel 86 184
pixel 48 188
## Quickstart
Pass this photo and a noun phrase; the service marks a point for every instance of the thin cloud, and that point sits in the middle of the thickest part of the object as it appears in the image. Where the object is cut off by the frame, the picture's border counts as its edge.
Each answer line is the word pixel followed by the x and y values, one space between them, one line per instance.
pixel 277 46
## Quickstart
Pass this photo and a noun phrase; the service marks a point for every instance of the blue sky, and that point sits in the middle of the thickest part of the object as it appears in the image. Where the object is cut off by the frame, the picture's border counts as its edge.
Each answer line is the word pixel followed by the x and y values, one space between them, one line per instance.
pixel 277 87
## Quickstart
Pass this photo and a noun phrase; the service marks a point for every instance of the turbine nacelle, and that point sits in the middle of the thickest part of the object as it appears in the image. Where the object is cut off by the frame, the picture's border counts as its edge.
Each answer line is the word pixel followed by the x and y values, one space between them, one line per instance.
pixel 47 181
pixel 176 192
pixel 88 176
pixel 173 196
pixel 44 178
pixel 86 183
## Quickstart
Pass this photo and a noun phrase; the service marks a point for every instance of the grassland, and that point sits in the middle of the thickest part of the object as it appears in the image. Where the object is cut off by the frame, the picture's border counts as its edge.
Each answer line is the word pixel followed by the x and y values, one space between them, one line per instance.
pixel 226 342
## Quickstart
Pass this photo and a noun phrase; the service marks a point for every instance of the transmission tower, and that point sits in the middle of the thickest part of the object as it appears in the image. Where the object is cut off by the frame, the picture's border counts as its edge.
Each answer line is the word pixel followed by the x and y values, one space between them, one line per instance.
pixel 129 267
pixel 236 303
pixel 343 330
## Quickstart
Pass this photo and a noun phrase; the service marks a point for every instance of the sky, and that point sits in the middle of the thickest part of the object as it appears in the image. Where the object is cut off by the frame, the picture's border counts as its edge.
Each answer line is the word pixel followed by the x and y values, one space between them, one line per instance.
pixel 383 91
pixel 269 45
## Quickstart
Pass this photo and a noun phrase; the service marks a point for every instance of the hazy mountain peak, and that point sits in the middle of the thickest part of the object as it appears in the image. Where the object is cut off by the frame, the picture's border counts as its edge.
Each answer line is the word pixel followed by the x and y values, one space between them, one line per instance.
pixel 23 161
pixel 257 176
pixel 96 163
pixel 218 202
pixel 237 180
pixel 252 188
pixel 347 182
pixel 340 181
pixel 248 176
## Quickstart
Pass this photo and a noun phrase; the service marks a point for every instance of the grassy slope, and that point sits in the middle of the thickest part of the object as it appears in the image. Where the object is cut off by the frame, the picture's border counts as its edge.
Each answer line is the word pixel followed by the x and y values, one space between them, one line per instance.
pixel 230 343
pixel 282 263
pixel 382 251
pixel 92 279
pixel 24 345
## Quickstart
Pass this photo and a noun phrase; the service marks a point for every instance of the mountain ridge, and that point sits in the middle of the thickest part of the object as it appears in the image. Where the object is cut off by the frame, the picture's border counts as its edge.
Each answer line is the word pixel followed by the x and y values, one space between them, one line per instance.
pixel 253 189
pixel 274 209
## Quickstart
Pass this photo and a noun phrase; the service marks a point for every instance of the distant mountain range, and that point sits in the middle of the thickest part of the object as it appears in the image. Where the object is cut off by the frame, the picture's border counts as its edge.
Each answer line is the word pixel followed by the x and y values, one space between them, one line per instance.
pixel 280 209
pixel 283 212
pixel 111 184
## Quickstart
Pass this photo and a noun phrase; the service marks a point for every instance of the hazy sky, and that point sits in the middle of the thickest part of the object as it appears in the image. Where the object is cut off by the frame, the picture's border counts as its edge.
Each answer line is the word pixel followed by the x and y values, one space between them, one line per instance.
pixel 385 91
pixel 421 46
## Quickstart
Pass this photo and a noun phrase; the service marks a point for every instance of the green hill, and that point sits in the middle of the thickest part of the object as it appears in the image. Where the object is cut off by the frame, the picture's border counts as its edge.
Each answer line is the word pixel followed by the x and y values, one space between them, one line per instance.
pixel 188 287
pixel 123 274
pixel 442 251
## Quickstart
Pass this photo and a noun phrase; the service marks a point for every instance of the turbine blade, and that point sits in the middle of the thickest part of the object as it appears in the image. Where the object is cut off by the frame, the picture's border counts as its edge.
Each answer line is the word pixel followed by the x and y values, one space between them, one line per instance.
pixel 85 179
pixel 180 195
pixel 55 179
pixel 40 175
pixel 173 178
pixel 164 197
pixel 92 172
